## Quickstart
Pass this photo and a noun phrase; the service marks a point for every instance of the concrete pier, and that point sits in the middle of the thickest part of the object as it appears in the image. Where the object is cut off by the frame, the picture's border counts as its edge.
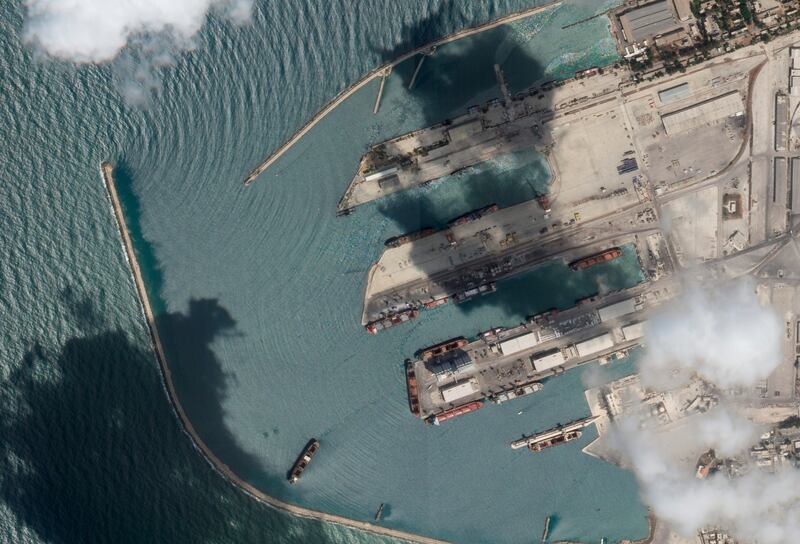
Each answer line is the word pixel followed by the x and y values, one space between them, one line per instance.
pixel 417 69
pixel 380 91
pixel 224 470
pixel 346 93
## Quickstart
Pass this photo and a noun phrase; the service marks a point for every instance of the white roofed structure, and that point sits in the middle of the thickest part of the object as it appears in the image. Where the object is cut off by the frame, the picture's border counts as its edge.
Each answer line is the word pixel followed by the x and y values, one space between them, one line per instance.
pixel 703 113
pixel 618 309
pixel 546 361
pixel 520 343
pixel 633 331
pixel 452 393
pixel 594 345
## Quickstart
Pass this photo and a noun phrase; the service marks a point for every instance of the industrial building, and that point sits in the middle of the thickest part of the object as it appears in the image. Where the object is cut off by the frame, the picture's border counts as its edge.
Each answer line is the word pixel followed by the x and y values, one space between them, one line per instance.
pixel 633 331
pixel 649 21
pixel 546 361
pixel 675 93
pixel 796 185
pixel 703 113
pixel 780 181
pixel 455 364
pixel 457 391
pixel 594 345
pixel 618 309
pixel 519 343
pixel 794 72
pixel 781 121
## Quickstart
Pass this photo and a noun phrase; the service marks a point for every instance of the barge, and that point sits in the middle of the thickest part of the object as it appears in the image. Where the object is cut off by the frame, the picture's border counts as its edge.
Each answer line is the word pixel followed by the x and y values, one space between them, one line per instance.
pixel 411 384
pixel 303 460
pixel 455 412
pixel 390 321
pixel 397 241
pixel 474 215
pixel 474 292
pixel 555 436
pixel 597 258
pixel 440 349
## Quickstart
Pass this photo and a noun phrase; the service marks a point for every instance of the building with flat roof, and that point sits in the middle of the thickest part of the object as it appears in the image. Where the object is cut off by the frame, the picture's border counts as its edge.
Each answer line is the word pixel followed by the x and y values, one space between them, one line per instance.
pixel 674 93
pixel 649 21
pixel 618 309
pixel 594 345
pixel 546 361
pixel 633 331
pixel 703 113
pixel 454 364
pixel 457 391
pixel 519 343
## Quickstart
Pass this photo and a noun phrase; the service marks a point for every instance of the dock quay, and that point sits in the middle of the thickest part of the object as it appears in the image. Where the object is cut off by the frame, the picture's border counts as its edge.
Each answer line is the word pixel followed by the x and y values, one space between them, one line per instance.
pixel 551 437
pixel 502 364
pixel 377 72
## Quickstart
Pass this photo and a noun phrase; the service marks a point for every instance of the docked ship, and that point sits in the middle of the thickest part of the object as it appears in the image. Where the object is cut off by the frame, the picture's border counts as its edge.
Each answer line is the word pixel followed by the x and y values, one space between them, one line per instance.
pixel 397 241
pixel 555 436
pixel 390 321
pixel 442 348
pixel 303 460
pixel 435 303
pixel 474 215
pixel 474 292
pixel 597 258
pixel 455 412
pixel 411 384
pixel 512 394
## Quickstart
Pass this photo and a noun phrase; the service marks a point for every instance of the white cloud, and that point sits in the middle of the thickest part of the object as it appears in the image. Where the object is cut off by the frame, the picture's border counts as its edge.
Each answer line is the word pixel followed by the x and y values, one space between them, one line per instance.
pixel 97 30
pixel 758 506
pixel 137 36
pixel 723 334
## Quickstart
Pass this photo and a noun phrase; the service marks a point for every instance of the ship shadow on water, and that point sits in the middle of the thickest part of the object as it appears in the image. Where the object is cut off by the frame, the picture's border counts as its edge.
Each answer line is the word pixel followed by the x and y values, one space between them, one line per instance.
pixel 93 452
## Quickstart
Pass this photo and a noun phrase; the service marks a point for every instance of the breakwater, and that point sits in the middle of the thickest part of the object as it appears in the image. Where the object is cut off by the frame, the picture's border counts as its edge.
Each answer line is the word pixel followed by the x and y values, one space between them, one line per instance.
pixel 379 72
pixel 223 469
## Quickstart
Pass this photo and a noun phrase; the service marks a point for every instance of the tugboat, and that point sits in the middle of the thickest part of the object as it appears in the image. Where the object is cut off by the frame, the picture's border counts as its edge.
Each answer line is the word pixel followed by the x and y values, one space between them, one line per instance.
pixel 303 460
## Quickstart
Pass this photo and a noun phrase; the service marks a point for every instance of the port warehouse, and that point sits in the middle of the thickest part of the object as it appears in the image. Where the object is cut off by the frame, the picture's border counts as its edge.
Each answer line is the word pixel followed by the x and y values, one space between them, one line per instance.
pixel 673 94
pixel 703 113
pixel 457 391
pixel 617 310
pixel 649 20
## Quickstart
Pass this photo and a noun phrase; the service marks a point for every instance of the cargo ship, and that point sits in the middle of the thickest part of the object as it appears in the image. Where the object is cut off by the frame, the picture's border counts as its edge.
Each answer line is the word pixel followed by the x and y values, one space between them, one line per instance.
pixel 597 258
pixel 303 460
pixel 390 321
pixel 474 215
pixel 397 241
pixel 555 436
pixel 455 412
pixel 442 348
pixel 411 384
pixel 512 394
pixel 470 293
pixel 435 303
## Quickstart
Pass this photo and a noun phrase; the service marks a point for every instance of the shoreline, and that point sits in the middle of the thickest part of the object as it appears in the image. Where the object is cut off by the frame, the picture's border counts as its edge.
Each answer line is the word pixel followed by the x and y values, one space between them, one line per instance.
pixel 379 72
pixel 216 463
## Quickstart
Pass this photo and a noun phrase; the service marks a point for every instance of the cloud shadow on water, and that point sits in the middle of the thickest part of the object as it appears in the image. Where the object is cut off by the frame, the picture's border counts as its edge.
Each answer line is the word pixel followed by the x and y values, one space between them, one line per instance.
pixel 93 452
pixel 200 381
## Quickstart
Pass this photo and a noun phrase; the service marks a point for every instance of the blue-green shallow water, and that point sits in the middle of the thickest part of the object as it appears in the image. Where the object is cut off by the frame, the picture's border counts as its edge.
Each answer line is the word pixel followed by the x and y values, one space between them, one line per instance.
pixel 259 293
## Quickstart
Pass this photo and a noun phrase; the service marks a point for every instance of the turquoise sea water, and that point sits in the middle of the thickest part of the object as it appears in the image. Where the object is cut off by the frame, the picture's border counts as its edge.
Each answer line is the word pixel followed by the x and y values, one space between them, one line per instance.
pixel 258 291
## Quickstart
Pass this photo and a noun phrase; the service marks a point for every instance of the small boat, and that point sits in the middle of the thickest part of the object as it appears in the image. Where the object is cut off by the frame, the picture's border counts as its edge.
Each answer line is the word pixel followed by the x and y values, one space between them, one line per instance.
pixel 379 513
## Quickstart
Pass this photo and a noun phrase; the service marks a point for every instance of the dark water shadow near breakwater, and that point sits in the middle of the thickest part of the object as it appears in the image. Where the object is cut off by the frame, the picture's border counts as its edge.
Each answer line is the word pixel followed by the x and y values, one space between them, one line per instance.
pixel 200 382
pixel 93 452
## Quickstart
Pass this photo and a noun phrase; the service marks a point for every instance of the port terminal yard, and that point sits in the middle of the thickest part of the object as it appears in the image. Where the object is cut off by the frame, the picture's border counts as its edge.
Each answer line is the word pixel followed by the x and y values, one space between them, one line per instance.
pixel 504 363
